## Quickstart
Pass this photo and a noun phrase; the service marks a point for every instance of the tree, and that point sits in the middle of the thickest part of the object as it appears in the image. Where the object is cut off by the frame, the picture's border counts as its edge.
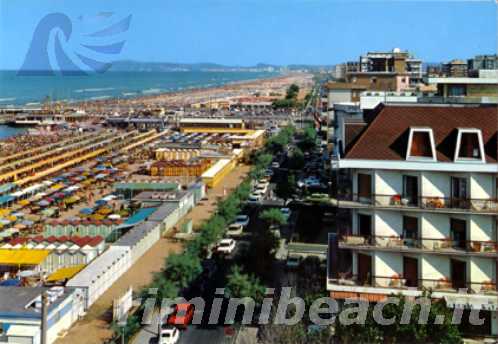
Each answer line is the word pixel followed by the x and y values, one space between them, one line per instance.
pixel 273 216
pixel 413 332
pixel 286 188
pixel 297 161
pixel 183 268
pixel 309 139
pixel 292 92
pixel 241 285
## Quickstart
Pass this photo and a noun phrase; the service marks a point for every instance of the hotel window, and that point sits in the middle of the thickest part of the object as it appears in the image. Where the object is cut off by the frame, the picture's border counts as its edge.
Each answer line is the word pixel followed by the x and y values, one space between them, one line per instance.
pixel 421 144
pixel 469 145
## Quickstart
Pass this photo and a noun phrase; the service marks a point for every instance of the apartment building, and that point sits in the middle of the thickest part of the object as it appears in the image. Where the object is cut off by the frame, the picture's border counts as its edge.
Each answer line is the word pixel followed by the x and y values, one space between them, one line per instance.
pixel 482 62
pixel 456 69
pixel 422 209
pixel 399 62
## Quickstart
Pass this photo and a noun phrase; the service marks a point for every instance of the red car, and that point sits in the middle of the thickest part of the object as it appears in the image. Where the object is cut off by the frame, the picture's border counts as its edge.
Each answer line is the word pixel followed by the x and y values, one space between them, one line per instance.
pixel 182 315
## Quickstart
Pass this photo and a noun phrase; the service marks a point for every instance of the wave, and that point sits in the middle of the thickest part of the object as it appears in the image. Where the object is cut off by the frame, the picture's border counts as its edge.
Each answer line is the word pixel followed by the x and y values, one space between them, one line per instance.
pixel 7 99
pixel 100 97
pixel 32 103
pixel 127 94
pixel 151 90
pixel 82 90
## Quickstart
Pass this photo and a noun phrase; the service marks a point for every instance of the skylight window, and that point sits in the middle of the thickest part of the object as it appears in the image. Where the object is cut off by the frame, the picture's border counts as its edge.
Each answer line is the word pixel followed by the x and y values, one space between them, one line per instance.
pixel 421 144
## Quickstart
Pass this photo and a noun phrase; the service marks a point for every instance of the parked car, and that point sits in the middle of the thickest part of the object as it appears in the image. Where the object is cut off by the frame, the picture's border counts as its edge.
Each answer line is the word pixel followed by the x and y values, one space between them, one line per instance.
pixel 242 220
pixel 226 246
pixel 254 199
pixel 168 334
pixel 235 229
pixel 261 188
pixel 286 212
pixel 293 261
pixel 182 315
pixel 275 230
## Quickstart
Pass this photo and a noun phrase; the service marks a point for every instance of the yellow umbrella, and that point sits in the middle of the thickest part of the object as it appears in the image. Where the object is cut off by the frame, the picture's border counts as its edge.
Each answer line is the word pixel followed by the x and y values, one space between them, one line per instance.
pixel 4 212
pixel 97 217
pixel 24 202
pixel 12 218
pixel 104 211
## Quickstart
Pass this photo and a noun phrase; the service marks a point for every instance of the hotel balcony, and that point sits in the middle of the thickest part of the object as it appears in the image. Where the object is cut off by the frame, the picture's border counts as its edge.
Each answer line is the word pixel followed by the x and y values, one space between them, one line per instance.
pixel 407 203
pixel 420 245
pixel 397 284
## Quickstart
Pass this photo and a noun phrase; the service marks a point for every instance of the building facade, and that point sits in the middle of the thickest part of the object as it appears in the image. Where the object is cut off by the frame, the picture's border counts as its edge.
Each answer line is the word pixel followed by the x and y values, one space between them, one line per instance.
pixel 422 210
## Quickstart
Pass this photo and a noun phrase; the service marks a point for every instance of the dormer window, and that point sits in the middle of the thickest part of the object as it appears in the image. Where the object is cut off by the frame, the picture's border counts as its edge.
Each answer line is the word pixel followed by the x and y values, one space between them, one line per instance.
pixel 469 145
pixel 421 144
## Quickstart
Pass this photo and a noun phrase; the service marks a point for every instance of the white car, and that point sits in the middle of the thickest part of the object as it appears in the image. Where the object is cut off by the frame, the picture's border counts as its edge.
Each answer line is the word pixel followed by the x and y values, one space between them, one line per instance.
pixel 242 220
pixel 286 212
pixel 168 334
pixel 235 229
pixel 254 199
pixel 226 246
pixel 261 188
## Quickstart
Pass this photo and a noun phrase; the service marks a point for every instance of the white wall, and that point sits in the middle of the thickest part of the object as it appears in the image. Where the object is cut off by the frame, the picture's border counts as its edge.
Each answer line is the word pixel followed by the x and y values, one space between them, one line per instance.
pixel 387 264
pixel 387 183
pixel 339 96
pixel 434 267
pixel 482 228
pixel 482 269
pixel 388 223
pixel 482 186
pixel 435 184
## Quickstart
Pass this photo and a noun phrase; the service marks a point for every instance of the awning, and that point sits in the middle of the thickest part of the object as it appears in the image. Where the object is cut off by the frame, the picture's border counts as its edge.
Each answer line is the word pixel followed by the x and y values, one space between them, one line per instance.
pixel 22 256
pixel 65 273
pixel 483 302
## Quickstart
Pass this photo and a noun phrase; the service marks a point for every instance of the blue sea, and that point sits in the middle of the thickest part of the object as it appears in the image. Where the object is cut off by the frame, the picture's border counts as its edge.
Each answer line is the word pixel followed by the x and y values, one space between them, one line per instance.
pixel 32 90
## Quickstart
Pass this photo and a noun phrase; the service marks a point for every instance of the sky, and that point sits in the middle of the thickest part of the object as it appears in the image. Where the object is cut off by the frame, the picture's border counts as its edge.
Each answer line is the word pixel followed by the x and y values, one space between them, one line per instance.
pixel 246 32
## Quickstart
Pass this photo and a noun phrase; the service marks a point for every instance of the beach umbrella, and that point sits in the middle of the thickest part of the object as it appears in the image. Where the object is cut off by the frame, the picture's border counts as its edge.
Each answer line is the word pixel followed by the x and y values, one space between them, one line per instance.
pixel 27 223
pixel 44 203
pixel 4 221
pixel 86 211
pixel 18 214
pixel 100 202
pixel 24 202
pixel 104 211
pixel 114 217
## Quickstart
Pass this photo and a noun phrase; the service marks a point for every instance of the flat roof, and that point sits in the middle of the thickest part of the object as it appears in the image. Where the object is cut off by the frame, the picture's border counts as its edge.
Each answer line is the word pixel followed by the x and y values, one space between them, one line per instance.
pixel 98 267
pixel 216 168
pixel 15 301
pixel 136 234
pixel 145 186
pixel 163 211
pixel 478 81
pixel 211 120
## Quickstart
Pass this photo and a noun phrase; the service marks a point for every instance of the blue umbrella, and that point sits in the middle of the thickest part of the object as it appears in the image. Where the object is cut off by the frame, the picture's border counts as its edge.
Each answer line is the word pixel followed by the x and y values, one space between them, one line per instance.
pixel 86 211
pixel 100 202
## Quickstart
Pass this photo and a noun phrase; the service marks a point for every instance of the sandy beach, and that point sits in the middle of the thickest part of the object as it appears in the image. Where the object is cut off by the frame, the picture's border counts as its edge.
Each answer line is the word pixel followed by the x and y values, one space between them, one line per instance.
pixel 275 86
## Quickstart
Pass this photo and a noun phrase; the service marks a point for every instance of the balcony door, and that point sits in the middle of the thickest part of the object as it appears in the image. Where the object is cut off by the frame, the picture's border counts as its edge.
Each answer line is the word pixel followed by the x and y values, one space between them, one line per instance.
pixel 364 269
pixel 365 225
pixel 459 196
pixel 458 233
pixel 458 270
pixel 410 230
pixel 364 187
pixel 410 271
pixel 410 189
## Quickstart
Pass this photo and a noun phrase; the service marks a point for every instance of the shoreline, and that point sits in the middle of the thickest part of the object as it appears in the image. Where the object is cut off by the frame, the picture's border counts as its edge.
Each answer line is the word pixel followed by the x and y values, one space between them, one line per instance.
pixel 184 97
pixel 141 97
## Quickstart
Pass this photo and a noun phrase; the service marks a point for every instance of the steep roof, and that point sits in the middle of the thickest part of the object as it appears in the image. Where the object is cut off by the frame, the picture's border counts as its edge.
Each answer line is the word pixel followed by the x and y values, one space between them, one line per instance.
pixel 386 137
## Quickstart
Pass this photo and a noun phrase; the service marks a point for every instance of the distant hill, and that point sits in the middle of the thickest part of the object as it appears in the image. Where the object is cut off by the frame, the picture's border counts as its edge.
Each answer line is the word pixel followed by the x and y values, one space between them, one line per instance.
pixel 138 66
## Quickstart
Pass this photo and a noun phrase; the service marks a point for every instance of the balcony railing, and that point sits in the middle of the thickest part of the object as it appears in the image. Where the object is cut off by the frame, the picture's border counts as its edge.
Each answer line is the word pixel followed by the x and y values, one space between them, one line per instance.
pixel 427 202
pixel 428 244
pixel 402 282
